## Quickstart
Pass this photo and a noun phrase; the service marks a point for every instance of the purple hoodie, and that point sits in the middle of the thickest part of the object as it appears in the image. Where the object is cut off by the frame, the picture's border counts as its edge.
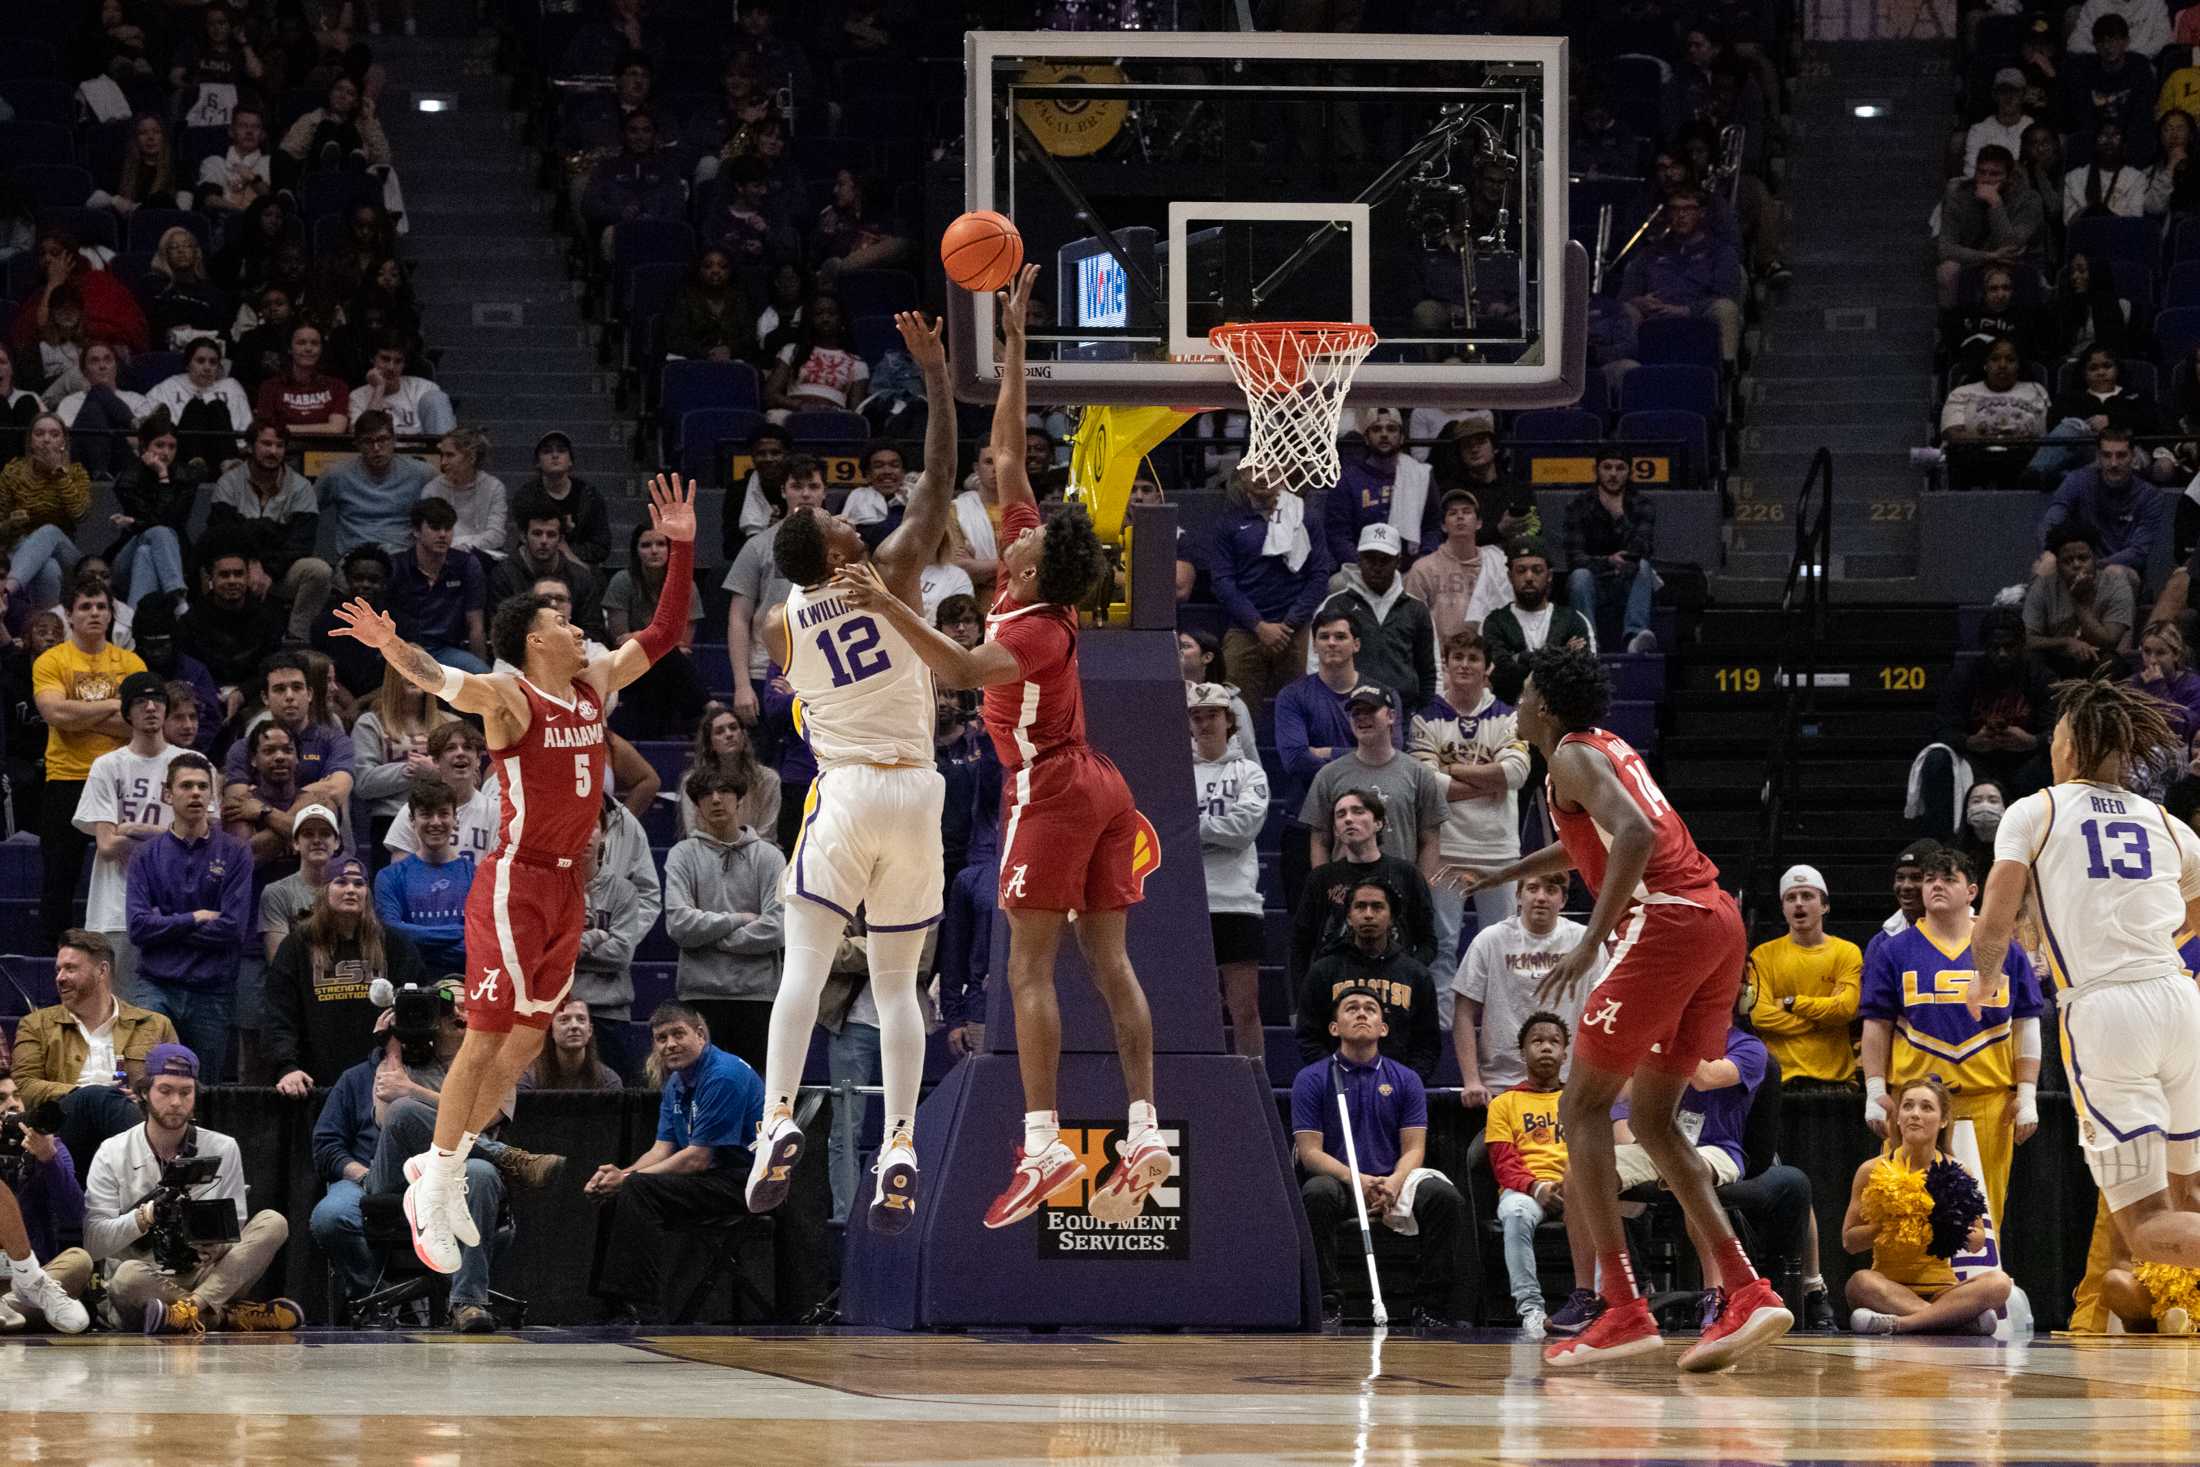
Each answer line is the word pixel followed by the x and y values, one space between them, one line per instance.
pixel 170 878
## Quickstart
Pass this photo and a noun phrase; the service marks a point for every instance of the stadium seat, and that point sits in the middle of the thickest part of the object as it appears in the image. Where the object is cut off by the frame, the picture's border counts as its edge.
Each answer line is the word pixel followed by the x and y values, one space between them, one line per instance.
pixel 85 226
pixel 147 370
pixel 1557 425
pixel 2136 373
pixel 2175 334
pixel 688 385
pixel 1686 388
pixel 1674 425
pixel 639 242
pixel 2111 236
pixel 874 337
pixel 38 98
pixel 827 425
pixel 25 145
pixel 703 430
pixel 337 193
pixel 2182 289
pixel 1677 340
pixel 875 292
pixel 48 184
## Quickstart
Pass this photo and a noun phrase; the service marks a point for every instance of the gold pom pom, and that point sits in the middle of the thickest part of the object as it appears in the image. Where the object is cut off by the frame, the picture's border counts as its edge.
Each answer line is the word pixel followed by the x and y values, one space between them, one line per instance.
pixel 2169 1287
pixel 1896 1198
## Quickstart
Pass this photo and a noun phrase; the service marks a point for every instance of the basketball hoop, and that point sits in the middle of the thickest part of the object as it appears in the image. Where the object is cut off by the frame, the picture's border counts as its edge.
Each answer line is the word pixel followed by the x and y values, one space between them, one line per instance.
pixel 1296 375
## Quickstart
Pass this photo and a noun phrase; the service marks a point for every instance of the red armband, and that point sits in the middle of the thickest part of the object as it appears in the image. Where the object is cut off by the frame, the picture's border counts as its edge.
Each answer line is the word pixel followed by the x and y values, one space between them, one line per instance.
pixel 670 623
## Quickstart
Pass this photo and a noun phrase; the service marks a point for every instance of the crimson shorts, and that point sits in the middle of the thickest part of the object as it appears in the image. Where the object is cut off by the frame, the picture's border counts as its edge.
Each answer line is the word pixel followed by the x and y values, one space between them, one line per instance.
pixel 1072 840
pixel 1667 996
pixel 523 934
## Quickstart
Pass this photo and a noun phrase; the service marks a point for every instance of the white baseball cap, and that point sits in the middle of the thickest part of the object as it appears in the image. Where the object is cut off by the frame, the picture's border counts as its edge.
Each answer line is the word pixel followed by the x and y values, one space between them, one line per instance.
pixel 1803 876
pixel 1207 695
pixel 316 812
pixel 1382 538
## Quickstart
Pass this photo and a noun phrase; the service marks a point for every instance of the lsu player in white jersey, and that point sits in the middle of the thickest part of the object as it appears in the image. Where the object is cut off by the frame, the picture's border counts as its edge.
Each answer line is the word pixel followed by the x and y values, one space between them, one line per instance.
pixel 2113 879
pixel 870 833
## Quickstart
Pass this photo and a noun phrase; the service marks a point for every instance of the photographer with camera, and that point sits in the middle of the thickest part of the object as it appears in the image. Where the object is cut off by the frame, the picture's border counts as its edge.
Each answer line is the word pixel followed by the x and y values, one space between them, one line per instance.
pixel 380 1114
pixel 166 1200
pixel 43 1204
pixel 87 1052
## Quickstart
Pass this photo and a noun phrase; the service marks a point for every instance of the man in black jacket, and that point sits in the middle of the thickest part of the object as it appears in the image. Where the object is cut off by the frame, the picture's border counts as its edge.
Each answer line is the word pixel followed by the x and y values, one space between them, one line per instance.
pixel 1397 637
pixel 1996 714
pixel 1371 960
pixel 230 626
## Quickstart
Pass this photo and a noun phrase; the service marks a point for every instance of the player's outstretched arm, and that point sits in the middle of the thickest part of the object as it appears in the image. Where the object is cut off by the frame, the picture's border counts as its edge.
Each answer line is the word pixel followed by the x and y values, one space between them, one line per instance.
pixel 672 514
pixel 906 552
pixel 1008 408
pixel 1552 860
pixel 467 692
pixel 951 662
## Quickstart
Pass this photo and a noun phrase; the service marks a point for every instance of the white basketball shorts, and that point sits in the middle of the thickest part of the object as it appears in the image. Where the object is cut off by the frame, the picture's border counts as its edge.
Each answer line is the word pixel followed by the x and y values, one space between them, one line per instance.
pixel 871 838
pixel 2133 1051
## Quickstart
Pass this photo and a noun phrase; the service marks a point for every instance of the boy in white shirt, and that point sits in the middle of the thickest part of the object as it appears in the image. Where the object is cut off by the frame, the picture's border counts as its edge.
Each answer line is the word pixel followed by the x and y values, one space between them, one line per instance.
pixel 1468 736
pixel 124 804
pixel 1494 991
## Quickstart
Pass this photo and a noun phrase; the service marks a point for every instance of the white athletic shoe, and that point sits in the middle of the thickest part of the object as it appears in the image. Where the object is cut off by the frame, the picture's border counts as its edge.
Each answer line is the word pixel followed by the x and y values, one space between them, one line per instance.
pixel 10 1321
pixel 894 1199
pixel 1870 1322
pixel 778 1148
pixel 46 1296
pixel 428 1212
pixel 1532 1325
pixel 2174 1322
pixel 462 1216
pixel 1987 1322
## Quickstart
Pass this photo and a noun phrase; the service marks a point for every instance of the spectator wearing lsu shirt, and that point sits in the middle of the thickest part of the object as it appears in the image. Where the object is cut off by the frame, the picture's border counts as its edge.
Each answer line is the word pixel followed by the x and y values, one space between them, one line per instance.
pixel 1527 1147
pixel 1232 795
pixel 1468 737
pixel 1461 579
pixel 1807 987
pixel 121 809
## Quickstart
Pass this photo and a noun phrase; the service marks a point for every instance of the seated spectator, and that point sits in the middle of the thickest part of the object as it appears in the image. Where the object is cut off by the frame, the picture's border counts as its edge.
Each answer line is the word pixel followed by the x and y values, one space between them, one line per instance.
pixel 324 759
pixel 1461 579
pixel 883 497
pixel 438 593
pixel 617 923
pixel 2165 671
pixel 2141 26
pixel 851 233
pixel 381 1114
pixel 711 318
pixel 1270 574
pixel 415 405
pixel 210 410
pixel 1465 457
pixel 1413 793
pixel 183 304
pixel 190 912
pixel 1467 737
pixel 75 686
pixel 1966 331
pixel 1805 984
pixel 1601 146
pixel 390 747
pixel 1371 956
pixel 2001 405
pixel 749 227
pixel 1527 1151
pixel 422 897
pixel 1532 621
pixel 2105 78
pixel 260 353
pixel 722 743
pixel 1389 1108
pixel 594 122
pixel 2173 184
pixel 1397 641
pixel 1381 485
pixel 371 496
pixel 569 1059
pixel 637 182
pixel 2101 402
pixel 1319 915
pixel 475 495
pixel 341 136
pixel 696 1171
pixel 458 750
pixel 41 1201
pixel 819 368
pixel 107 309
pixel 1231 793
pixel 235 179
pixel 231 623
pixel 541 552
pixel 2120 512
pixel 43 495
pixel 1611 537
pixel 2004 126
pixel 2074 615
pixel 580 504
pixel 1687 273
pixel 140 1292
pixel 303 398
pixel 86 1053
pixel 318 1009
pixel 1995 717
pixel 1908 1290
pixel 1990 218
pixel 763 498
pixel 100 411
pixel 2087 311
pixel 722 910
pixel 1494 990
pixel 2106 185
pixel 317 834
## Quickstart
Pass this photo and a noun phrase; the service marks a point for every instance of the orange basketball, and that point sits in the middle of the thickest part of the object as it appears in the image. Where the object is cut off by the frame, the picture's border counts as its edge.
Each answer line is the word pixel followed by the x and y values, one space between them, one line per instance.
pixel 981 250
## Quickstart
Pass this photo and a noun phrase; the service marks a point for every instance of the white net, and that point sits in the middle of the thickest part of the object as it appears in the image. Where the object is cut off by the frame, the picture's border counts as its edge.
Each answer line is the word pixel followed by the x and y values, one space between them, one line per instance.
pixel 1295 375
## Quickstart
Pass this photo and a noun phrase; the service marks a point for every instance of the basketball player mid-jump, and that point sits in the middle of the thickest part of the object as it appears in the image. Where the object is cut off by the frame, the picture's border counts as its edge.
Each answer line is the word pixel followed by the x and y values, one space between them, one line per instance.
pixel 525 911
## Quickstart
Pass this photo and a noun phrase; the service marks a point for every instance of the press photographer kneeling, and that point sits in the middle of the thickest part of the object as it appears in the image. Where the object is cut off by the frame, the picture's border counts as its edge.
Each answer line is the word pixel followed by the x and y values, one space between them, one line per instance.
pixel 39 1201
pixel 166 1201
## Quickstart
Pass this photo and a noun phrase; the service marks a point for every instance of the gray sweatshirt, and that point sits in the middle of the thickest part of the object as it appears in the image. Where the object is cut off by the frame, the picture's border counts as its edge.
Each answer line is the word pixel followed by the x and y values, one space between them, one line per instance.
pixel 626 848
pixel 708 883
pixel 603 977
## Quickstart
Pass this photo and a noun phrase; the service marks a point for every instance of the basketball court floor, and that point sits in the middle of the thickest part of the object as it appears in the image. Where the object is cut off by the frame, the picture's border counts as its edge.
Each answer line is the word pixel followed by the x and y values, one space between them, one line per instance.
pixel 551 1397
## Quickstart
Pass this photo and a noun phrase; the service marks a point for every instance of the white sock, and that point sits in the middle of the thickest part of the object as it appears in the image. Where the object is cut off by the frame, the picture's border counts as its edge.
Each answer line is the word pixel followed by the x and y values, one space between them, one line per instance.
pixel 1142 1119
pixel 813 937
pixel 24 1270
pixel 1042 1128
pixel 895 957
pixel 462 1150
pixel 1815 1284
pixel 440 1166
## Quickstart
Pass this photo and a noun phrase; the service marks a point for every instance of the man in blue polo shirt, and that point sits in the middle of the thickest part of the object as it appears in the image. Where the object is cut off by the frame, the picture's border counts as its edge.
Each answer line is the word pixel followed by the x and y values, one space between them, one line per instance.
pixel 438 596
pixel 697 1170
pixel 1389 1132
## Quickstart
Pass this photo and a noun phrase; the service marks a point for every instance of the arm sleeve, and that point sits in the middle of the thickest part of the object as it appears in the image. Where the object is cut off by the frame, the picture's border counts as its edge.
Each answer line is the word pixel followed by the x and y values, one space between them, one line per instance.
pixel 1292 738
pixel 1765 1014
pixel 766 933
pixel 1512 1174
pixel 227 930
pixel 1839 1006
pixel 2188 853
pixel 1313 1025
pixel 2023 829
pixel 1037 643
pixel 332 1133
pixel 2146 529
pixel 145 921
pixel 97 803
pixel 2059 509
pixel 1308 1091
pixel 1427 1046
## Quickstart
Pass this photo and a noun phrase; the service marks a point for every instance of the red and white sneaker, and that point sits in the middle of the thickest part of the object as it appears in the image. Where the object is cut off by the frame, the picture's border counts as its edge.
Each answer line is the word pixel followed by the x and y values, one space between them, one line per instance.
pixel 1037 1178
pixel 1622 1330
pixel 1143 1164
pixel 1753 1316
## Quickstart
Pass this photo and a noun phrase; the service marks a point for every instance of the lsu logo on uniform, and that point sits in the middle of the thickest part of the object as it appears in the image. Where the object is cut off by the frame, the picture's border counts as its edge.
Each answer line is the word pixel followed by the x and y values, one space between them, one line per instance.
pixel 1163 1230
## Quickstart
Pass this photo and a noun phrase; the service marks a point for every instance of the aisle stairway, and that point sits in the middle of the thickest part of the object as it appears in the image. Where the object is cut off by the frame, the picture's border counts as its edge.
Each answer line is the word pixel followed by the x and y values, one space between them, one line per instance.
pixel 1845 358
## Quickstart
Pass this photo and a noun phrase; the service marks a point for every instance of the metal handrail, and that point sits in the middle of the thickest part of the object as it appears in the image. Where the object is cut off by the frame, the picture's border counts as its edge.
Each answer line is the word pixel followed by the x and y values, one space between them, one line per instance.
pixel 1804 600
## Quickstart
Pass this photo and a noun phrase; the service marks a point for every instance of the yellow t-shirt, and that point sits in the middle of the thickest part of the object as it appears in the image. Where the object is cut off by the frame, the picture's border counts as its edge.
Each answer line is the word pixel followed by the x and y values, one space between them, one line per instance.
pixel 87 678
pixel 1527 1120
pixel 1810 1040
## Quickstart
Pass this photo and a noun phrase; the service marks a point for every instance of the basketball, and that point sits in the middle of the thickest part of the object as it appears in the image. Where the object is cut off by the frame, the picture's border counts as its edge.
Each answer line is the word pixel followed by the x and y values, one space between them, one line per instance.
pixel 981 250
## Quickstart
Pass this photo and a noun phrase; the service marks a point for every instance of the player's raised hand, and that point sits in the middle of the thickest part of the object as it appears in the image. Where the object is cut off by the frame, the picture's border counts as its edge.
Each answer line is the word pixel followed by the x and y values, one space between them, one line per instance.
pixel 1017 298
pixel 365 625
pixel 1468 879
pixel 1556 990
pixel 672 507
pixel 860 584
pixel 925 348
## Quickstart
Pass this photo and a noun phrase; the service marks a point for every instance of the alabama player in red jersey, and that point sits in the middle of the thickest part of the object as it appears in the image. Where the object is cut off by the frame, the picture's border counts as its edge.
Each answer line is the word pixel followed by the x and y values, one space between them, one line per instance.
pixel 524 913
pixel 1072 840
pixel 1661 1009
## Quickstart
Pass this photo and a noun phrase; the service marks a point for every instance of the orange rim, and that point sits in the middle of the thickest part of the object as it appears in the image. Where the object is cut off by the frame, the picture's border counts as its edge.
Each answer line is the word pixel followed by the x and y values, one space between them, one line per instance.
pixel 1289 344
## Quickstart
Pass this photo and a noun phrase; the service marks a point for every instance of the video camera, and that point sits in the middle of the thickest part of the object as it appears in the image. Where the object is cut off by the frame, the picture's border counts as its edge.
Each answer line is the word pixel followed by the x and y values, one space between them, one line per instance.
pixel 416 1014
pixel 181 1223
pixel 15 1160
